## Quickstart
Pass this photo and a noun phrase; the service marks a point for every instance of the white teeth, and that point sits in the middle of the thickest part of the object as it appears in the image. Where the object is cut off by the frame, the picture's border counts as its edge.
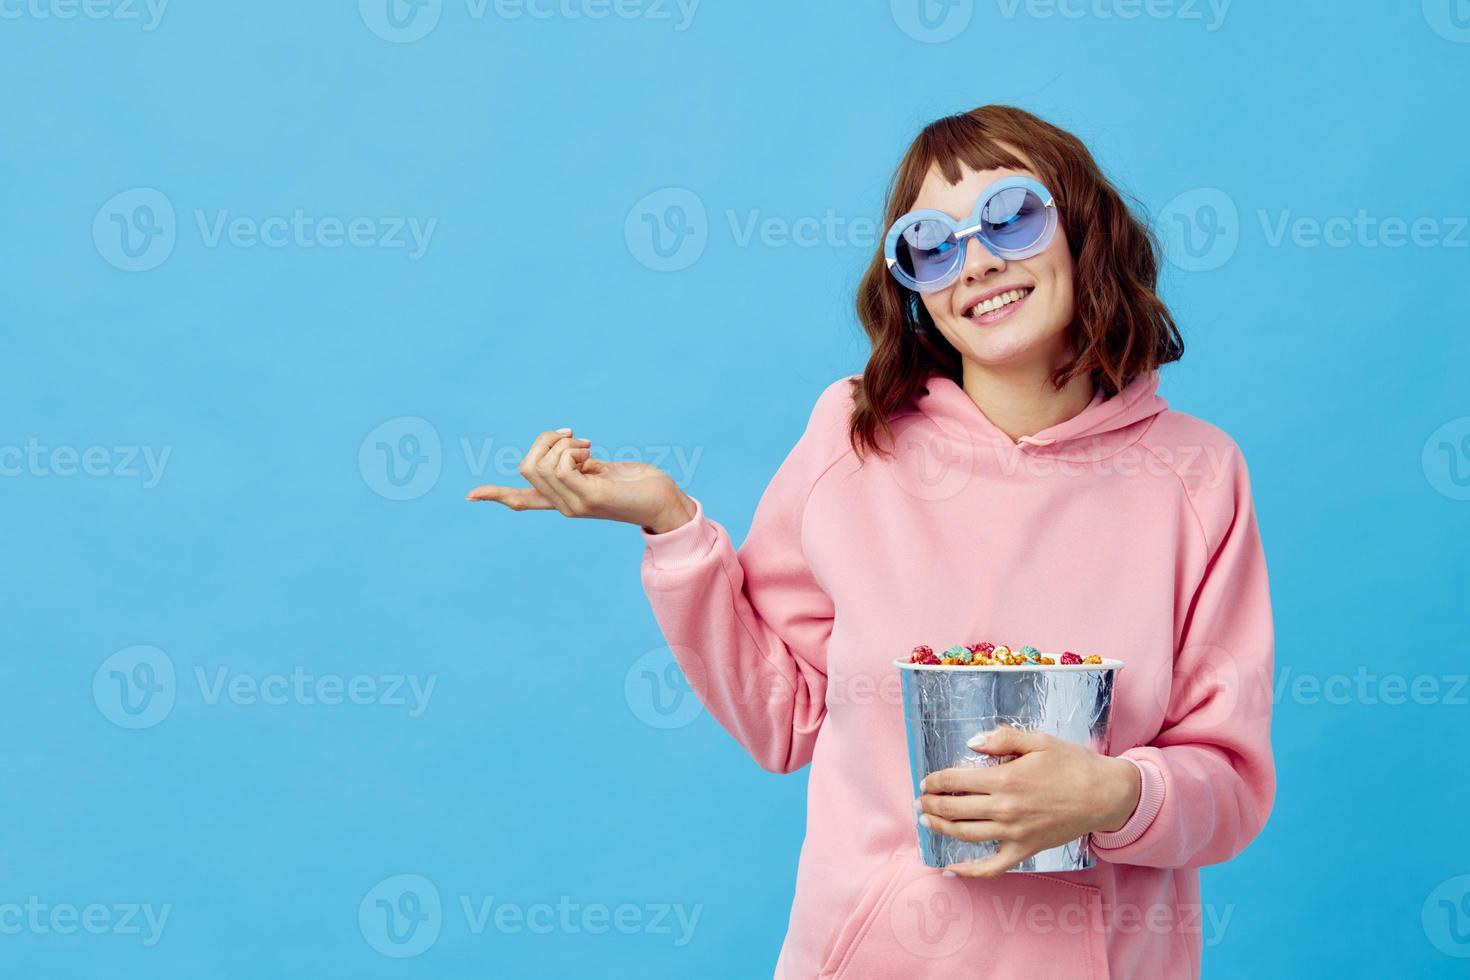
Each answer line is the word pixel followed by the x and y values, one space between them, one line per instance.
pixel 996 302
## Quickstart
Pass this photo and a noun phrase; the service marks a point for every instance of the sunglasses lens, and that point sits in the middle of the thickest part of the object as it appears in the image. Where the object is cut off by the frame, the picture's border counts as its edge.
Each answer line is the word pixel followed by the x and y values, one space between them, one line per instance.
pixel 1014 219
pixel 927 251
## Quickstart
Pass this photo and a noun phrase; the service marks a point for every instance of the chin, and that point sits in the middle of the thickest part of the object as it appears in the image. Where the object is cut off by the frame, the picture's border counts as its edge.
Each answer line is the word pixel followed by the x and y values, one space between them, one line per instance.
pixel 1004 345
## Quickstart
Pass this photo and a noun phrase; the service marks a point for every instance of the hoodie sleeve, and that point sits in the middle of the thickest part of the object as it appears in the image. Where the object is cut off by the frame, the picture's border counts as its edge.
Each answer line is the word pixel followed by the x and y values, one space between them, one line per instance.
pixel 1208 777
pixel 749 628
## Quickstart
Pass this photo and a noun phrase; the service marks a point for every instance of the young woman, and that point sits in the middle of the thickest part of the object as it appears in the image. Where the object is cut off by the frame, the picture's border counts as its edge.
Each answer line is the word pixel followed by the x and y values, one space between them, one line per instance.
pixel 1003 468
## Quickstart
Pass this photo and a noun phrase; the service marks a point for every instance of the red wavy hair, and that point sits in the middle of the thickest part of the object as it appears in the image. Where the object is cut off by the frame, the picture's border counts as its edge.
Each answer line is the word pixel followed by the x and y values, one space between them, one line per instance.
pixel 1120 328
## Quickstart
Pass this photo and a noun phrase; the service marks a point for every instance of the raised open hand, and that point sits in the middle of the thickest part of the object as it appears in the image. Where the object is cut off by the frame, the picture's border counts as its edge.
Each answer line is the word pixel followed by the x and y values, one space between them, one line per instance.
pixel 566 477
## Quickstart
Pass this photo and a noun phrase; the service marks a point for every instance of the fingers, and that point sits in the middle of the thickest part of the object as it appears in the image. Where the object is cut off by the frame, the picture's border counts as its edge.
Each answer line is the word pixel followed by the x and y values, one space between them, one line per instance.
pixel 569 467
pixel 516 498
pixel 977 779
pixel 1006 740
pixel 966 830
pixel 561 469
pixel 542 443
pixel 1006 857
pixel 966 806
pixel 552 466
pixel 539 467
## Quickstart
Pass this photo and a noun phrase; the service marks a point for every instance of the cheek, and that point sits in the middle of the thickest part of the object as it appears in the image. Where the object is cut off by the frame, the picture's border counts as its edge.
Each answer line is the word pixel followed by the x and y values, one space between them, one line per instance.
pixel 1056 275
pixel 938 304
pixel 1063 301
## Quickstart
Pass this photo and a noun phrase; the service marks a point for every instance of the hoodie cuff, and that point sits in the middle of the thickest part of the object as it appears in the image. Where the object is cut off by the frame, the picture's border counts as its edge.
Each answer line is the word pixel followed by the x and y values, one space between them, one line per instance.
pixel 1150 802
pixel 685 544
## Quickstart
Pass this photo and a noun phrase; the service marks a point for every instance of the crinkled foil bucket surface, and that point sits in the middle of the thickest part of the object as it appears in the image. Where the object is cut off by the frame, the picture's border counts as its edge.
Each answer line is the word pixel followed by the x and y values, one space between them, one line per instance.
pixel 944 707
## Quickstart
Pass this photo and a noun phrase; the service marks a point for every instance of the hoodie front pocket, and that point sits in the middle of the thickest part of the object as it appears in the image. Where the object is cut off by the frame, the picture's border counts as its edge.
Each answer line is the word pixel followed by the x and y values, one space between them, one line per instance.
pixel 922 925
pixel 860 919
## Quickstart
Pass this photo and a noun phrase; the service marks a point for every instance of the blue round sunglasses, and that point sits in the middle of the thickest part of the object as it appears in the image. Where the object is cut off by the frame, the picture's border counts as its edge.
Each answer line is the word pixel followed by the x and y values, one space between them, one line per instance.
pixel 1015 218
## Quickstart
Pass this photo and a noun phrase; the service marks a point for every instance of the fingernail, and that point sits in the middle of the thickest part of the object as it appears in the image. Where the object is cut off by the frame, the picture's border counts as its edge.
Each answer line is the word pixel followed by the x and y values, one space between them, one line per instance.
pixel 948 873
pixel 565 431
pixel 924 821
pixel 918 807
pixel 977 741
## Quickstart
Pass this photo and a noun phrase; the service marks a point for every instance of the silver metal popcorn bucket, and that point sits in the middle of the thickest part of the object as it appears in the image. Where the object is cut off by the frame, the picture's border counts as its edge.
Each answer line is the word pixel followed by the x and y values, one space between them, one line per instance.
pixel 945 706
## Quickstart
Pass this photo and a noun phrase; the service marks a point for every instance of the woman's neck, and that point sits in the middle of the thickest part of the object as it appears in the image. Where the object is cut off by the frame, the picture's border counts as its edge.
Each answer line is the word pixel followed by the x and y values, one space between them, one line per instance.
pixel 1022 402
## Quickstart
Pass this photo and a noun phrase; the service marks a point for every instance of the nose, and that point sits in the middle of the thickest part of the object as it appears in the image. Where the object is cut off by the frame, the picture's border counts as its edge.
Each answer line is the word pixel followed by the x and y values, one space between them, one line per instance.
pixel 980 261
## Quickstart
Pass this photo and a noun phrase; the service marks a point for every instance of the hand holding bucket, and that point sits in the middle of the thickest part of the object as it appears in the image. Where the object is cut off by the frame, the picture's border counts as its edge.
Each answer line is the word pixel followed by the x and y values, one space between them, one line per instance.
pixel 1040 774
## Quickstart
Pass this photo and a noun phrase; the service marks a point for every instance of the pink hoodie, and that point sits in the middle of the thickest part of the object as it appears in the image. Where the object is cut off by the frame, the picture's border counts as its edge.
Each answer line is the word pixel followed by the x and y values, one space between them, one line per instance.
pixel 1126 531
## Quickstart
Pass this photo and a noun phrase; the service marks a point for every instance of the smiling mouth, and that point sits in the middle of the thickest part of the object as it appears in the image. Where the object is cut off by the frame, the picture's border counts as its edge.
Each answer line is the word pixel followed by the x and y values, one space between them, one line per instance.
pixel 998 307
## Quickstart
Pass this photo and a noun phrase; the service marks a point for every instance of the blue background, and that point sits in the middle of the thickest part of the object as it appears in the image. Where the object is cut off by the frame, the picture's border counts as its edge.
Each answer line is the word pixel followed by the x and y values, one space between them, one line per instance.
pixel 272 541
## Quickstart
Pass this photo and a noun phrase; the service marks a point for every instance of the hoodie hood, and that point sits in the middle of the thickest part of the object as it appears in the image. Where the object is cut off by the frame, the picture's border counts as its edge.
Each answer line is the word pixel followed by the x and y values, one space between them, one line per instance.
pixel 1104 427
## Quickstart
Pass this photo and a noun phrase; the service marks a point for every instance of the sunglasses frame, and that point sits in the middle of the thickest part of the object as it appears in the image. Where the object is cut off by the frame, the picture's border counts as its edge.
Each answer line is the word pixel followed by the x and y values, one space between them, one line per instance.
pixel 972 227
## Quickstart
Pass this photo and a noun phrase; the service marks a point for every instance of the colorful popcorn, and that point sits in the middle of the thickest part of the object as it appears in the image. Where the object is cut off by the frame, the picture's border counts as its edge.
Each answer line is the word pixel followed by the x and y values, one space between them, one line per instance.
pixel 923 654
pixel 956 654
pixel 986 654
